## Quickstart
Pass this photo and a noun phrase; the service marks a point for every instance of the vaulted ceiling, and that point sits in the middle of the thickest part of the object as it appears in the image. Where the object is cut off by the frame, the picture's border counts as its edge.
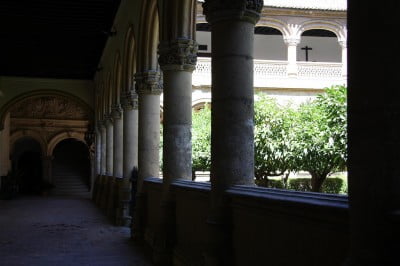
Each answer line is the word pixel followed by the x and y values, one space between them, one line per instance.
pixel 54 38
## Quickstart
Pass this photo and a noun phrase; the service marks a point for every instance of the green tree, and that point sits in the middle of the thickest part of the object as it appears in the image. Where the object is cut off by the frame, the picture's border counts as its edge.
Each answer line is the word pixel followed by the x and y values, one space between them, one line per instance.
pixel 201 139
pixel 275 142
pixel 321 135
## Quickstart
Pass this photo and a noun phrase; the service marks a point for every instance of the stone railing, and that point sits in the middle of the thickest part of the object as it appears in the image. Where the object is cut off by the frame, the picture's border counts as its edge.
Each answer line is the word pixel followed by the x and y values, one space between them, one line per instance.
pixel 319 70
pixel 274 74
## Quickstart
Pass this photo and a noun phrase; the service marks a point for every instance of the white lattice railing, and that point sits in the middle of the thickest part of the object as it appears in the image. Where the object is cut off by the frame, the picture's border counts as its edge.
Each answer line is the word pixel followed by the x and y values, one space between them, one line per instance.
pixel 319 70
pixel 267 68
pixel 268 73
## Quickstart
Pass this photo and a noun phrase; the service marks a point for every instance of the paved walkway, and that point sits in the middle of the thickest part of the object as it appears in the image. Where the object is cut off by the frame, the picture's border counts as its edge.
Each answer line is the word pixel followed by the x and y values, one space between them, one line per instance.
pixel 58 231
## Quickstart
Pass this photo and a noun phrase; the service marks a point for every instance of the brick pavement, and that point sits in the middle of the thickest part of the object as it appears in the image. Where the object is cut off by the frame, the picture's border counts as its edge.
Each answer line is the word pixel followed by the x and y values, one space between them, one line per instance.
pixel 58 231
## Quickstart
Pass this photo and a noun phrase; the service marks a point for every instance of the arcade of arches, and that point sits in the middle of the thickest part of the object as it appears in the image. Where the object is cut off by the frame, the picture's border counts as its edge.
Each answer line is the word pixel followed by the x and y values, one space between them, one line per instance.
pixel 107 130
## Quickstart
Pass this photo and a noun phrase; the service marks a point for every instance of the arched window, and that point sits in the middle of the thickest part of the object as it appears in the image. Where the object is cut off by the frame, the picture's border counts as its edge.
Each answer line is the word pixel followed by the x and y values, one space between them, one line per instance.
pixel 319 45
pixel 269 44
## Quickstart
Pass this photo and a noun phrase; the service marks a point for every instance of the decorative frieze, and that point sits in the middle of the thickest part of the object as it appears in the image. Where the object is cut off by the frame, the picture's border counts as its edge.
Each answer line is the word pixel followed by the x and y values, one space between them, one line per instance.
pixel 149 82
pixel 180 54
pixel 49 107
pixel 217 10
pixel 129 100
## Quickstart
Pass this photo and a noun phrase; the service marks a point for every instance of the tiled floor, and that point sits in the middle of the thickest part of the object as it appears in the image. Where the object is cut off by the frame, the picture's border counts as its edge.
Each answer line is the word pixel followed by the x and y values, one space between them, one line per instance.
pixel 60 231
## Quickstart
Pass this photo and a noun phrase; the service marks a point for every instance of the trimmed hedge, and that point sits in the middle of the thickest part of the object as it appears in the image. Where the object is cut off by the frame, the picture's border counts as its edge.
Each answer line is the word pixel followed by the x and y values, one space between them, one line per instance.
pixel 332 185
pixel 300 184
pixel 270 183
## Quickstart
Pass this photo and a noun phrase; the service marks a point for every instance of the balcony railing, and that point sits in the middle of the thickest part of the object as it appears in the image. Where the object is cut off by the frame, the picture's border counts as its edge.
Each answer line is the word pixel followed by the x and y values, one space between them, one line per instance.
pixel 275 74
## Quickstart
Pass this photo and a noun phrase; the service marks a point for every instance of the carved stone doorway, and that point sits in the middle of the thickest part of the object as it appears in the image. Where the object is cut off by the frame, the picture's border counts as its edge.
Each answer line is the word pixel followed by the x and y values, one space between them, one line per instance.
pixel 27 166
pixel 71 168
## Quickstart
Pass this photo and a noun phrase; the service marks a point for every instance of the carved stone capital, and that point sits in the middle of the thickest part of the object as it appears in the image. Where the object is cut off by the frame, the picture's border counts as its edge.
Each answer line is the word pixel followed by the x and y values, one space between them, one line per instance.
pixel 291 41
pixel 116 112
pixel 108 119
pixel 180 55
pixel 247 10
pixel 129 100
pixel 149 82
pixel 101 125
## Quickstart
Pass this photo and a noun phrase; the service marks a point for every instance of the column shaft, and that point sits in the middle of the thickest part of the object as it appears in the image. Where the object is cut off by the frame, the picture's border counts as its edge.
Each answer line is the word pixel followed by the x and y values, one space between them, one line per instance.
pixel 103 160
pixel 109 148
pixel 149 89
pixel 130 141
pixel 98 152
pixel 118 143
pixel 130 158
pixel 47 168
pixel 177 123
pixel 232 152
pixel 373 138
pixel 344 59
pixel 292 55
pixel 232 136
pixel 149 136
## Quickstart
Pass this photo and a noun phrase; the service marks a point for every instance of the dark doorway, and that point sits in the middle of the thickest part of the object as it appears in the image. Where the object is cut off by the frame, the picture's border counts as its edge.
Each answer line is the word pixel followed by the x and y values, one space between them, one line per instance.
pixel 27 166
pixel 71 168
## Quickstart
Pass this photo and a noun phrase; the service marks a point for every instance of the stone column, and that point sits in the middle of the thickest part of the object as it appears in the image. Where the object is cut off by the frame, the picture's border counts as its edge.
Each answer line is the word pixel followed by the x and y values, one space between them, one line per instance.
pixel 373 137
pixel 118 149
pixel 343 44
pixel 96 174
pixel 117 154
pixel 103 132
pixel 109 146
pixel 149 88
pixel 232 136
pixel 177 60
pixel 130 107
pixel 178 56
pixel 99 194
pixel 109 163
pixel 98 151
pixel 47 168
pixel 292 43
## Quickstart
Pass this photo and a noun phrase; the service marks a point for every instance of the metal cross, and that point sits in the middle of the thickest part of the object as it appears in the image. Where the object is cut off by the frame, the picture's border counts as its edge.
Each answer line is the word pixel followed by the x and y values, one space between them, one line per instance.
pixel 306 48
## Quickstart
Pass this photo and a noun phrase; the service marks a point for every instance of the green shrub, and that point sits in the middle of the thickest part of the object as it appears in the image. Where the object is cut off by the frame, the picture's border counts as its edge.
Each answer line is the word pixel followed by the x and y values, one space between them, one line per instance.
pixel 333 185
pixel 300 184
pixel 270 183
pixel 276 184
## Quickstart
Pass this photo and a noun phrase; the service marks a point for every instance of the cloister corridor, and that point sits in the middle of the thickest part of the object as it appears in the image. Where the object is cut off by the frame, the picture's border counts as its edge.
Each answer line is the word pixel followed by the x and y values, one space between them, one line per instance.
pixel 50 230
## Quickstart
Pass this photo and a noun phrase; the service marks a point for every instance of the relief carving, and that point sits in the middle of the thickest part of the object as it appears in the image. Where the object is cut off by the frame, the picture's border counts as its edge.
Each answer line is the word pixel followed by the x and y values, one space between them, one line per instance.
pixel 49 107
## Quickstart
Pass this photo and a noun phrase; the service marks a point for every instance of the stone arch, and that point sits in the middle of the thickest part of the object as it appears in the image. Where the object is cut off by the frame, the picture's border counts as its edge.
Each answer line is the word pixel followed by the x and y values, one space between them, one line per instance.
pixel 26 133
pixel 62 136
pixel 117 82
pixel 328 26
pixel 129 61
pixel 331 26
pixel 274 23
pixel 108 94
pixel 42 93
pixel 99 100
pixel 200 102
pixel 149 37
